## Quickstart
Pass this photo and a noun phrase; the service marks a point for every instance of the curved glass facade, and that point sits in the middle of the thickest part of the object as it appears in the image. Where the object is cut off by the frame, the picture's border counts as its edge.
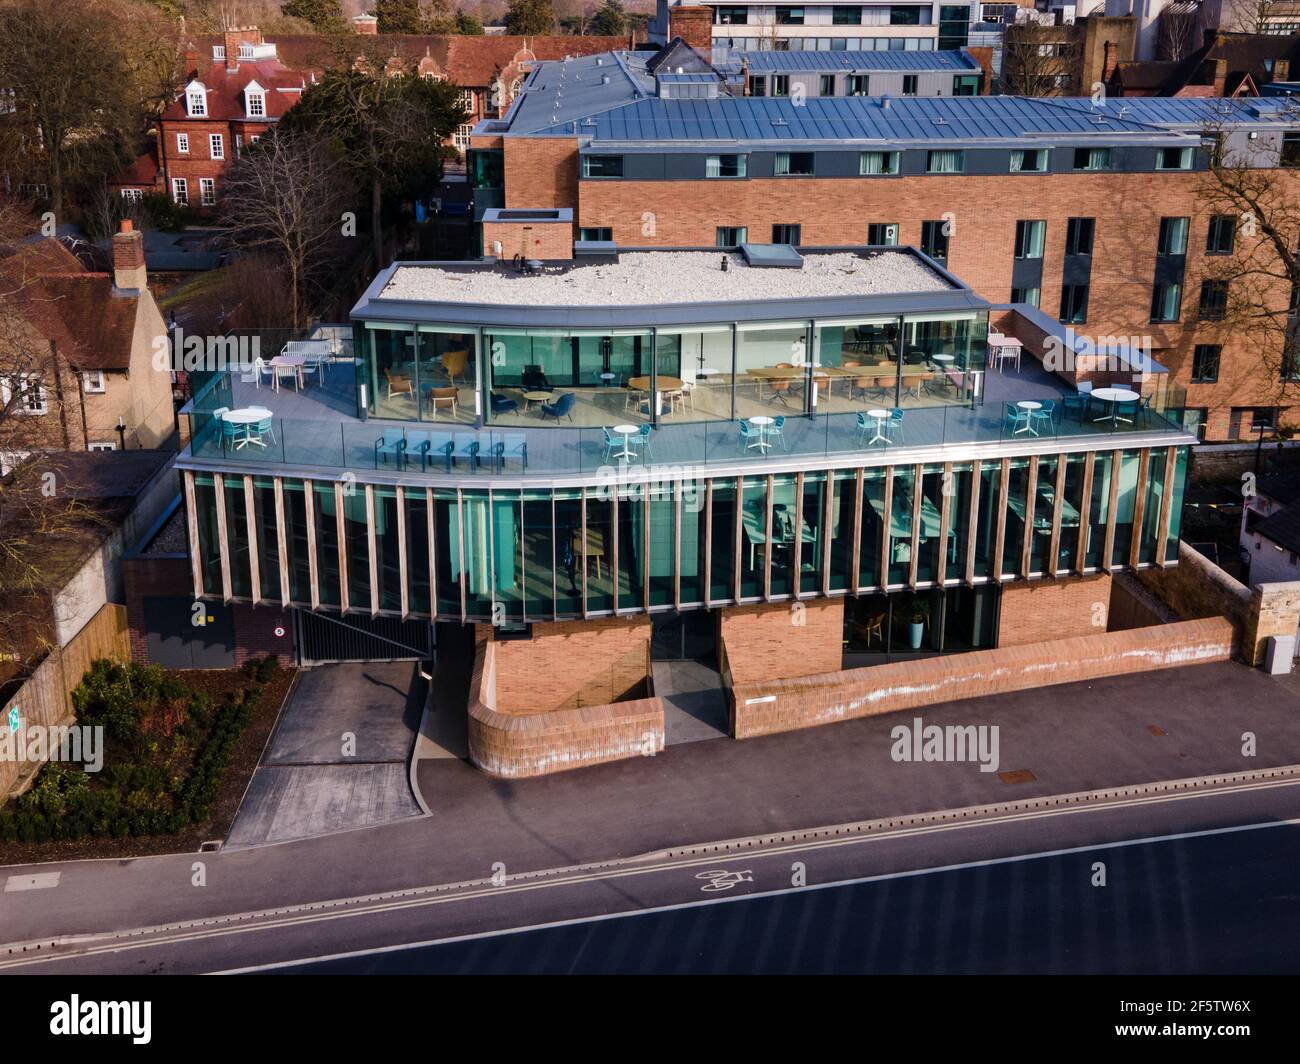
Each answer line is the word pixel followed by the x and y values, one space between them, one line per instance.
pixel 517 554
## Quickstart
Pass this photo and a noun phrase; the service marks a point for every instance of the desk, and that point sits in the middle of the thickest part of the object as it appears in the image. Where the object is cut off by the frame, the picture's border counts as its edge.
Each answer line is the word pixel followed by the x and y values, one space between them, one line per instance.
pixel 754 523
pixel 1043 525
pixel 667 385
pixel 900 527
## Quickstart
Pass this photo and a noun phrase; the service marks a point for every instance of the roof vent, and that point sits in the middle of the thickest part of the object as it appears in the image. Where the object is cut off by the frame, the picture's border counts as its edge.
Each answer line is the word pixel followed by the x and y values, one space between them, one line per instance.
pixel 779 121
pixel 604 79
pixel 941 121
pixel 885 103
pixel 600 60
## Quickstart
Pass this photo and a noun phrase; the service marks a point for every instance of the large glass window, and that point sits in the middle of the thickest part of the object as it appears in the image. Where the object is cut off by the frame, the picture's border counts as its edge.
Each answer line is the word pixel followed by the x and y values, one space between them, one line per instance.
pixel 447 551
pixel 327 544
pixel 693 544
pixel 1155 494
pixel 427 375
pixel 900 525
pixel 770 369
pixel 1176 505
pixel 357 546
pixel 722 563
pixel 1017 516
pixel 694 367
pixel 543 567
pixel 388 557
pixel 241 584
pixel 417 552
pixel 295 541
pixel 1043 510
pixel 986 518
pixel 599 550
pixel 753 538
pixel 1125 506
pixel 568 552
pixel 1099 509
pixel 205 505
pixel 269 563
pixel 661 551
pixel 1071 507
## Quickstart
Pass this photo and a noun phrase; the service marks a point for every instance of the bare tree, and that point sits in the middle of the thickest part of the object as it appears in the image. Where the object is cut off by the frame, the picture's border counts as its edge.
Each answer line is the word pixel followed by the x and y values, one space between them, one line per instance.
pixel 40 523
pixel 1254 288
pixel 1034 59
pixel 287 197
pixel 1178 31
pixel 1252 16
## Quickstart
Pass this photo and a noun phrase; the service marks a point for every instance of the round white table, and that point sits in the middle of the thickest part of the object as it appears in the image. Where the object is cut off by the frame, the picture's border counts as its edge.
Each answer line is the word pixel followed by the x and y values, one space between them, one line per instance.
pixel 762 421
pixel 880 416
pixel 627 432
pixel 1114 396
pixel 247 415
pixel 943 358
pixel 1029 406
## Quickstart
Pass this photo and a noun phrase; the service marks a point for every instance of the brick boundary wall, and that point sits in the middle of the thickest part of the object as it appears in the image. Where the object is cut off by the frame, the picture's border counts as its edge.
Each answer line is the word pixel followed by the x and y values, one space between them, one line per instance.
pixel 520 745
pixel 814 700
pixel 1134 605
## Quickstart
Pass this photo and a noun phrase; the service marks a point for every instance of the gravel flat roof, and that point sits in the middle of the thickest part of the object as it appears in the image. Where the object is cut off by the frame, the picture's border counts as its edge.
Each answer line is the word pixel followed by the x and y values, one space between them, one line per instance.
pixel 669 277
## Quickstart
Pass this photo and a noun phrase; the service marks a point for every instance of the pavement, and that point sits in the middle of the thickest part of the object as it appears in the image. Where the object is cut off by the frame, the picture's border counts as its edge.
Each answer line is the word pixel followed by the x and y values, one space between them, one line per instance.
pixel 338 757
pixel 695 701
pixel 1120 731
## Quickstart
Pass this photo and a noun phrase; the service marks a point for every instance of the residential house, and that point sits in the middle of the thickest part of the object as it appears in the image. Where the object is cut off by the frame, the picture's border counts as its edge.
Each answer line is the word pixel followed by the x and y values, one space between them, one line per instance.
pixel 1270 529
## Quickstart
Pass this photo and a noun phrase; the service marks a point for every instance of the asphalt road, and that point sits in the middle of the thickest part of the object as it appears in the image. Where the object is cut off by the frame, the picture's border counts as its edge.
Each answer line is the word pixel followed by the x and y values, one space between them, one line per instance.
pixel 1195 882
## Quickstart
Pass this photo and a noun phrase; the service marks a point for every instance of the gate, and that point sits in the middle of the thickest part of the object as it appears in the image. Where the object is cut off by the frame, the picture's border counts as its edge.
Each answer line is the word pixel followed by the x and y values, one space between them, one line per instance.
pixel 330 637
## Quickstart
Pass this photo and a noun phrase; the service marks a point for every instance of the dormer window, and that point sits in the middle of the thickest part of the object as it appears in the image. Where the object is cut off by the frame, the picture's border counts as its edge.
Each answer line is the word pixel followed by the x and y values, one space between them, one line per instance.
pixel 196 100
pixel 255 101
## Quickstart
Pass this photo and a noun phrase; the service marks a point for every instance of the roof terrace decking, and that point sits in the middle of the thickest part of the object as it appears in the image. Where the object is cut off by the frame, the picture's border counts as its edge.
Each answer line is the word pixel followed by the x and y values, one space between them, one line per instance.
pixel 317 430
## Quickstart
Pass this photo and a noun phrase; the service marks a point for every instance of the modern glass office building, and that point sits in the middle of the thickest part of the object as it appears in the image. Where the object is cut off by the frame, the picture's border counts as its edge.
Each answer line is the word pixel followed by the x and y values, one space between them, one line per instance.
pixel 675 432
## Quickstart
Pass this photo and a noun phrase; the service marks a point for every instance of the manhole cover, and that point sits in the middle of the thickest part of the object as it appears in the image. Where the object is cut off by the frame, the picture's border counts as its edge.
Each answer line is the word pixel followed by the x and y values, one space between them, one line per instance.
pixel 1020 775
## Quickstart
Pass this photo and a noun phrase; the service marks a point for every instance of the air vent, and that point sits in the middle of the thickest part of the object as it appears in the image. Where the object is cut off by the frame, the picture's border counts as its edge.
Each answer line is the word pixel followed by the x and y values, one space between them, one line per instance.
pixel 779 122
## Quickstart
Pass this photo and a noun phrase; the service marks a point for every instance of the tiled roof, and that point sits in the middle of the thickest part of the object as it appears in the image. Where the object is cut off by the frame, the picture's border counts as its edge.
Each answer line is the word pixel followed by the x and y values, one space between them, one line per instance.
pixel 866 61
pixel 1282 487
pixel 142 172
pixel 93 326
pixel 225 90
pixel 1283 528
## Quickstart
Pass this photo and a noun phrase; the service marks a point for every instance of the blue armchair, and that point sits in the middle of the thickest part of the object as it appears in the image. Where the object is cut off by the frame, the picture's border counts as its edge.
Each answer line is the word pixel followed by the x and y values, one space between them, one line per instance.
pixel 561 407
pixel 503 404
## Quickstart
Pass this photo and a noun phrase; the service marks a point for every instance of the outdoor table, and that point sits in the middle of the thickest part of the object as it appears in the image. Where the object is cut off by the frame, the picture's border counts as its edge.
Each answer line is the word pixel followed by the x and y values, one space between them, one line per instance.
pixel 880 416
pixel 295 362
pixel 1114 396
pixel 627 432
pixel 762 421
pixel 247 415
pixel 1030 406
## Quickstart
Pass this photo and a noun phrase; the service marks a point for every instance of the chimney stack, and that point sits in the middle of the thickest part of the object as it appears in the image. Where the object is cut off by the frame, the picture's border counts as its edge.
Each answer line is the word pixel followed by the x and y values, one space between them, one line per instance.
pixel 129 273
pixel 1282 70
pixel 1220 76
pixel 366 25
pixel 234 38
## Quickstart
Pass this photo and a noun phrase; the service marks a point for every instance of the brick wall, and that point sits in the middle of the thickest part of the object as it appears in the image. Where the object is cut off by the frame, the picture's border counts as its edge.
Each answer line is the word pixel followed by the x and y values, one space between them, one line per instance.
pixel 255 632
pixel 694 25
pixel 541 172
pixel 535 240
pixel 571 664
pixel 1275 610
pixel 1133 605
pixel 198 161
pixel 523 743
pixel 1058 608
pixel 813 700
pixel 782 639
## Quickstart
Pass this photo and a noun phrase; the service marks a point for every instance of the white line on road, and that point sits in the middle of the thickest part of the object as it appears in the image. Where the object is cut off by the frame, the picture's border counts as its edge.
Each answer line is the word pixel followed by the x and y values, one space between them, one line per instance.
pixel 146 937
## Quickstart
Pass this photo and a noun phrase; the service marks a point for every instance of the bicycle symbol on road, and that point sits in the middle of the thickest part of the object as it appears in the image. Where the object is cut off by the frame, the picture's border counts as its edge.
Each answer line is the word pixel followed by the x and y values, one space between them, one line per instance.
pixel 719 879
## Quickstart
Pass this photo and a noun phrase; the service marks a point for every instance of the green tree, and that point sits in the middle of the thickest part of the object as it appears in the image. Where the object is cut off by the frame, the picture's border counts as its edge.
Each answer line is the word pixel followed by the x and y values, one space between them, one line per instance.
pixel 322 14
pixel 391 130
pixel 399 16
pixel 610 20
pixel 530 18
pixel 468 24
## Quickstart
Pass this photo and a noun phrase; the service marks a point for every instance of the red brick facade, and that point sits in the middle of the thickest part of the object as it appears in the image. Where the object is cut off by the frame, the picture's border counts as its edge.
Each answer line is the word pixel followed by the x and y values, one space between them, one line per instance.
pixel 771 641
pixel 1053 609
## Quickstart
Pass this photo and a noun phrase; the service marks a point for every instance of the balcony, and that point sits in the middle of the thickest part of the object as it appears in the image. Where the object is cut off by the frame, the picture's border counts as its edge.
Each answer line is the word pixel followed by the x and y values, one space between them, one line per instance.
pixel 317 429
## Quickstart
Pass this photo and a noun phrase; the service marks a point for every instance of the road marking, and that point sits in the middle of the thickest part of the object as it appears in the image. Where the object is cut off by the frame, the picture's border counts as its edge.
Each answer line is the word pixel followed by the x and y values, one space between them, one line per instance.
pixel 882 878
pixel 374 905
pixel 719 879
pixel 38 881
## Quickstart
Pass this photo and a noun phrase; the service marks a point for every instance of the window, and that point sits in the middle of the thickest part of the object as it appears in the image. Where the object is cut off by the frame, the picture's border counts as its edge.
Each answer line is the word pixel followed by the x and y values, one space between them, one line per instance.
pixel 466 99
pixel 183 143
pixel 1092 158
pixel 207 192
pixel 602 166
pixel 1214 300
pixel 196 102
pixel 945 162
pixel 1222 235
pixel 1029 161
pixel 1205 364
pixel 30 394
pixel 1263 417
pixel 858 85
pixel 256 104
pixel 1290 149
pixel 1195 420
pixel 133 195
pixel 217 145
pixel 1025 295
pixel 725 166
pixel 219 51
pixel 966 84
pixel 780 84
pixel 846 16
pixel 180 191
pixel 598 234
pixel 875 163
pixel 1029 239
pixel 730 236
pixel 460 138
pixel 910 83
pixel 92 382
pixel 827 85
pixel 934 240
pixel 1078 236
pixel 101 445
pixel 789 16
pixel 1173 236
pixel 1074 303
pixel 1174 159
pixel 757 85
pixel 731 16
pixel 785 234
pixel 882 234
pixel 900 15
pixel 245 51
pixel 1166 300
pixel 794 164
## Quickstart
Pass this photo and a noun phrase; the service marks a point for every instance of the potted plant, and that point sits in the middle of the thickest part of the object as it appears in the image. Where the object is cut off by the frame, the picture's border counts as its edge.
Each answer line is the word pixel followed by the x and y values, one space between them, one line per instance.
pixel 916 628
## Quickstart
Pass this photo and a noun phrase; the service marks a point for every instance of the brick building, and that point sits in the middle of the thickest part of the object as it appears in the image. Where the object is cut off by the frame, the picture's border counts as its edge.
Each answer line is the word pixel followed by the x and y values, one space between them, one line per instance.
pixel 1096 214
pixel 799 463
